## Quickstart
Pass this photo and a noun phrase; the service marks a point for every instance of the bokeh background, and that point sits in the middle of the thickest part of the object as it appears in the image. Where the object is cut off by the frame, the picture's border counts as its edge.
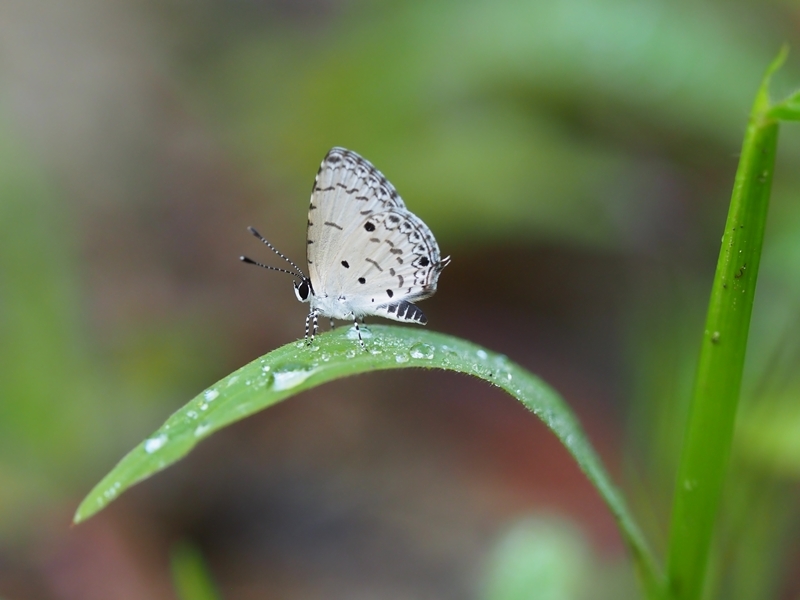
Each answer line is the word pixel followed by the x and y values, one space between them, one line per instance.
pixel 575 157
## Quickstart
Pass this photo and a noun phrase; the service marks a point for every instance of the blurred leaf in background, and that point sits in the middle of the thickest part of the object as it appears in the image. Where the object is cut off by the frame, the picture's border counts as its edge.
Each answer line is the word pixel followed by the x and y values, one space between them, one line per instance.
pixel 190 574
pixel 50 420
pixel 525 118
pixel 548 558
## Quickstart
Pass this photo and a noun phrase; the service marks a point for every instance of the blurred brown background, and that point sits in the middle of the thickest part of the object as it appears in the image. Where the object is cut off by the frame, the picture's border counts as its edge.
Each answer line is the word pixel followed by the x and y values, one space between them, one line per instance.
pixel 574 157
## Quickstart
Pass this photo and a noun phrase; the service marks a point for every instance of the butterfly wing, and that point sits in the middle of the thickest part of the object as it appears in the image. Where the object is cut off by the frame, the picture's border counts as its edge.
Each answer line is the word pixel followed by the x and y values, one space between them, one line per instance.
pixel 387 261
pixel 347 190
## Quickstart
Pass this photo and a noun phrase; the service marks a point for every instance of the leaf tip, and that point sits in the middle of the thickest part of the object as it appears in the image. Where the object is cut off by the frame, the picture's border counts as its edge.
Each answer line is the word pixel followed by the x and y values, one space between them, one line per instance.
pixel 777 63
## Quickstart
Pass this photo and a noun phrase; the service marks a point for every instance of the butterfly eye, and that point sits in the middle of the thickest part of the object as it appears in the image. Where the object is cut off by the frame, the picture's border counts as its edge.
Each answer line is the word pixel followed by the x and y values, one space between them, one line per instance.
pixel 302 290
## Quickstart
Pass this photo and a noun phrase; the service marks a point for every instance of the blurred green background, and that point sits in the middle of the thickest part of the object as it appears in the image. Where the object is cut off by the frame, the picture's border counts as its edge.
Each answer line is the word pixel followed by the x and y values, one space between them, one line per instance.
pixel 575 157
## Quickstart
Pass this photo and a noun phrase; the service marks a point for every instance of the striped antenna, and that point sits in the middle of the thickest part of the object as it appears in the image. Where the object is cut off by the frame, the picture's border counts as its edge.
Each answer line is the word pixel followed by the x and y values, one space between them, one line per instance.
pixel 299 271
pixel 250 261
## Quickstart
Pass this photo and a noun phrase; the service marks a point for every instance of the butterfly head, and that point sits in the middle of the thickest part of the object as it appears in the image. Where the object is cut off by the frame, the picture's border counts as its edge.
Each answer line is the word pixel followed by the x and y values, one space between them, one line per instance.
pixel 303 290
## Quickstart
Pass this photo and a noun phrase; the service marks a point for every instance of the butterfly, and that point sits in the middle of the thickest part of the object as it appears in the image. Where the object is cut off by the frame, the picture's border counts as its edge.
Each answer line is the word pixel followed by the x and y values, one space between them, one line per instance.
pixel 367 254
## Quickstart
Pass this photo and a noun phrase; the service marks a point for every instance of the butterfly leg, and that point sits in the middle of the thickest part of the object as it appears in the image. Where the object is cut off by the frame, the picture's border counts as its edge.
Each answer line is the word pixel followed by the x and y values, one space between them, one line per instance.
pixel 333 325
pixel 315 326
pixel 358 331
pixel 311 319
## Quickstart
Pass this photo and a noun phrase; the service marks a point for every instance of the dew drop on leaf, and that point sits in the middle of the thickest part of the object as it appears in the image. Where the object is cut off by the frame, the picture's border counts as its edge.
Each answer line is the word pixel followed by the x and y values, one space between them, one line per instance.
pixel 290 375
pixel 421 351
pixel 154 443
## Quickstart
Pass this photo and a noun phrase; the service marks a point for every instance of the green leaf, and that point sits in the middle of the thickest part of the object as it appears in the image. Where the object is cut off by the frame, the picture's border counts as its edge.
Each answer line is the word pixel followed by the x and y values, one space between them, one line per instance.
pixel 788 110
pixel 294 368
pixel 709 433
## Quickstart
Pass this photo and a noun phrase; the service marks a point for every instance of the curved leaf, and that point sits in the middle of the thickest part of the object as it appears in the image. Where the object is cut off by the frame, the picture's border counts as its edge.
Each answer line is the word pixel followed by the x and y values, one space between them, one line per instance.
pixel 294 368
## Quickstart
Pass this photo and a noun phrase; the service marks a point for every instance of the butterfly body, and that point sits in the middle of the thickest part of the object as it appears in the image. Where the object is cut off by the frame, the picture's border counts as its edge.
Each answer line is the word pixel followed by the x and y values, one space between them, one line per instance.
pixel 367 253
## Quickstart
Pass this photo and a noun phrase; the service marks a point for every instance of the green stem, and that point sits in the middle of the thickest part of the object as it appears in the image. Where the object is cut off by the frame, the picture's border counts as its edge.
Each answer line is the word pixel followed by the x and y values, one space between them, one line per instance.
pixel 707 443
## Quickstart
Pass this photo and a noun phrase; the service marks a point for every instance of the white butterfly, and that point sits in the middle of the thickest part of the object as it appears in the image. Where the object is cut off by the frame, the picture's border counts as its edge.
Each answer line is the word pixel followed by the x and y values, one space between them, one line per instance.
pixel 367 253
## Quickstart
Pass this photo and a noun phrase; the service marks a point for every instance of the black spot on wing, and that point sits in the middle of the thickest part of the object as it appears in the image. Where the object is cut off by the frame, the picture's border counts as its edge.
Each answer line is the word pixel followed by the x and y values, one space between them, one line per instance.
pixel 345 264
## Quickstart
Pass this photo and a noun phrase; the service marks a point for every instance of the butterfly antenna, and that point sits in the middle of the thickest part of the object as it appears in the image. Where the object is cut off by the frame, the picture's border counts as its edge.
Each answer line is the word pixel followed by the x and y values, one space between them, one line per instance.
pixel 250 261
pixel 274 249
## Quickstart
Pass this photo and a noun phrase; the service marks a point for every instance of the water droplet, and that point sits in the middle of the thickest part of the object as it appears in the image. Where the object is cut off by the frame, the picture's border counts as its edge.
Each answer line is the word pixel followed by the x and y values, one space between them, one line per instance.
pixel 352 334
pixel 350 353
pixel 155 443
pixel 203 406
pixel 191 414
pixel 233 380
pixel 289 375
pixel 325 357
pixel 401 357
pixel 482 354
pixel 265 368
pixel 202 428
pixel 421 351
pixel 248 382
pixel 211 395
pixel 375 351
